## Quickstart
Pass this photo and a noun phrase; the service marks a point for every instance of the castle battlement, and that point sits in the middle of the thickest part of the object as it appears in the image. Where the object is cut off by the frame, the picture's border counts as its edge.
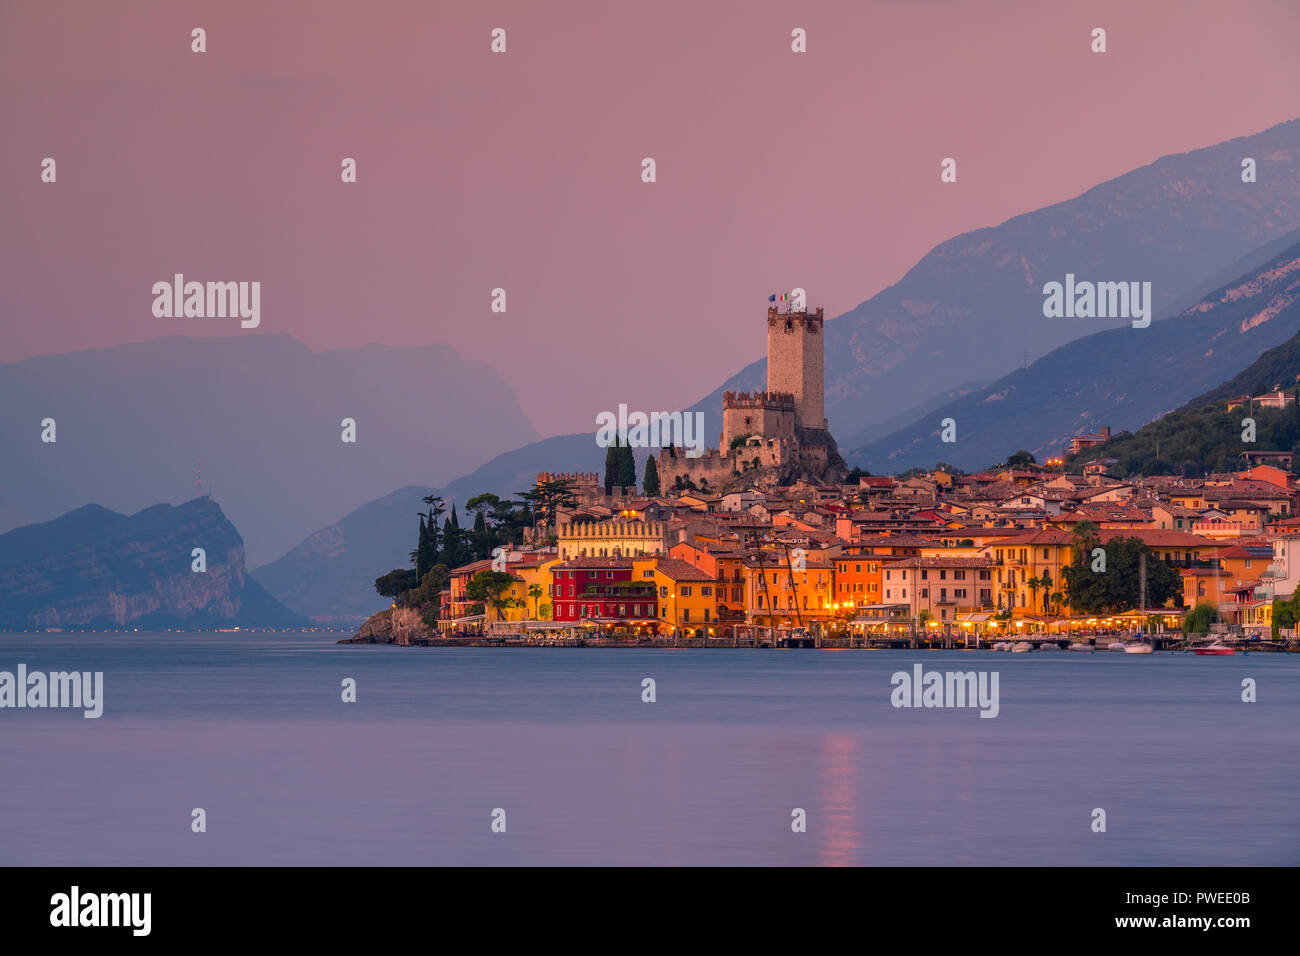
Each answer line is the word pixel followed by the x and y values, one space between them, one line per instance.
pixel 613 529
pixel 803 317
pixel 577 477
pixel 758 400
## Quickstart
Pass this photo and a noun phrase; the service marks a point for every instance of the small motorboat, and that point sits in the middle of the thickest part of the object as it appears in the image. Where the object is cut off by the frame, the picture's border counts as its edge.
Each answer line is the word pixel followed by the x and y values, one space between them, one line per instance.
pixel 1049 646
pixel 1021 647
pixel 1215 648
pixel 1002 646
pixel 1076 646
pixel 1139 649
pixel 1116 646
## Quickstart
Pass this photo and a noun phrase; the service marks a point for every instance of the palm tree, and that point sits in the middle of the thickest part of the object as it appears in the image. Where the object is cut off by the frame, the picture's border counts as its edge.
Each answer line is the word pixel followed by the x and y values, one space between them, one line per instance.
pixel 1034 584
pixel 535 592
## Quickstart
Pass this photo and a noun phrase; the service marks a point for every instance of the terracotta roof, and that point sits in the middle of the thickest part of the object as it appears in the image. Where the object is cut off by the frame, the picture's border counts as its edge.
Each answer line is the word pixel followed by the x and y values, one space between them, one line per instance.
pixel 946 562
pixel 1157 537
pixel 680 570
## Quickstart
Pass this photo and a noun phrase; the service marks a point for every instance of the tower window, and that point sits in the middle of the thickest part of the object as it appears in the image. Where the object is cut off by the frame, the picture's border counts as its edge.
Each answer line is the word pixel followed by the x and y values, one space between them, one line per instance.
pixel 789 326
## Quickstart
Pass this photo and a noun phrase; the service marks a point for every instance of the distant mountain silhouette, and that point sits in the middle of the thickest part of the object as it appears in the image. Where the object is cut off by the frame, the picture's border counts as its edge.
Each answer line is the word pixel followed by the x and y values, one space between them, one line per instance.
pixel 1121 378
pixel 94 568
pixel 262 412
pixel 973 306
pixel 330 576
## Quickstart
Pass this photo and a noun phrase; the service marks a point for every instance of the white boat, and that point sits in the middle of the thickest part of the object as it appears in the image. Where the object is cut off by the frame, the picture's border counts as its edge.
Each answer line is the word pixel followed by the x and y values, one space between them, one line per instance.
pixel 1076 646
pixel 1049 646
pixel 1139 649
pixel 1002 646
pixel 1116 646
pixel 1022 647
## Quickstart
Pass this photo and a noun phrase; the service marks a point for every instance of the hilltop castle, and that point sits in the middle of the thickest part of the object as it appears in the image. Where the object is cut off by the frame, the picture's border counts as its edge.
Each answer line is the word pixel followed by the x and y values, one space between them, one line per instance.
pixel 775 436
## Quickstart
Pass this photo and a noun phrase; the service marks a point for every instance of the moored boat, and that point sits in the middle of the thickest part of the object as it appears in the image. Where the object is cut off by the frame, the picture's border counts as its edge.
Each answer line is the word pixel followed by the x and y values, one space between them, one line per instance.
pixel 1116 646
pixel 1139 649
pixel 1049 646
pixel 1215 648
pixel 1076 646
pixel 1022 647
pixel 1002 646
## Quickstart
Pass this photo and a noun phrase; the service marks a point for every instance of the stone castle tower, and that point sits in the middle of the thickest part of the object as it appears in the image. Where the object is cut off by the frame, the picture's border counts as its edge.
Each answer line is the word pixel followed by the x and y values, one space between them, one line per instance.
pixel 796 363
pixel 774 436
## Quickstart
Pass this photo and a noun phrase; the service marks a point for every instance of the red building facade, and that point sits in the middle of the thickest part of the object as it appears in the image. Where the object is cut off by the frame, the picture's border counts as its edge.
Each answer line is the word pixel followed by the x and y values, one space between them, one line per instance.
pixel 602 591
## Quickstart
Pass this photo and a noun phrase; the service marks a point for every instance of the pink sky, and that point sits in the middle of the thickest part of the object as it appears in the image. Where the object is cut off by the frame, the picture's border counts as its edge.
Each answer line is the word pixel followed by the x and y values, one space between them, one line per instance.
pixel 522 170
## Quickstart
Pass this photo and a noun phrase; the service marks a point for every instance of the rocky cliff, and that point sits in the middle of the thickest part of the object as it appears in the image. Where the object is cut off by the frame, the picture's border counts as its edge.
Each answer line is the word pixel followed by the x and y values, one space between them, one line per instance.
pixel 96 568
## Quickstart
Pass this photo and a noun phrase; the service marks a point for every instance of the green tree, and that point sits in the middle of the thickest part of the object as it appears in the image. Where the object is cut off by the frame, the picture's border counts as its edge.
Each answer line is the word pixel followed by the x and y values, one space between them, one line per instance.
pixel 1286 612
pixel 395 582
pixel 1118 588
pixel 435 511
pixel 535 591
pixel 421 549
pixel 626 467
pixel 1199 618
pixel 1018 459
pixel 455 548
pixel 612 460
pixel 1058 599
pixel 431 586
pixel 547 498
pixel 650 480
pixel 488 587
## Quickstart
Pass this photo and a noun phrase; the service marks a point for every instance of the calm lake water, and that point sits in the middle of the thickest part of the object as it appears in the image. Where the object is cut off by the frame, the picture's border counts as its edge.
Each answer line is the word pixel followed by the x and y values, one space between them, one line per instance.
pixel 252 729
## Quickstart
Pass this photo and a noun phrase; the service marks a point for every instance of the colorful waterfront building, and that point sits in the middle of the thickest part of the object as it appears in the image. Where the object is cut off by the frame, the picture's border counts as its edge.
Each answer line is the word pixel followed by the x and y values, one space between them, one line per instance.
pixel 777 594
pixel 687 604
pixel 603 592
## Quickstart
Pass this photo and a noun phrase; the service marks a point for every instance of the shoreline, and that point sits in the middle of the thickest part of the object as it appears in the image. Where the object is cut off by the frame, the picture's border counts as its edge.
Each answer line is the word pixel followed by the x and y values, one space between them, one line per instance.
pixel 1095 646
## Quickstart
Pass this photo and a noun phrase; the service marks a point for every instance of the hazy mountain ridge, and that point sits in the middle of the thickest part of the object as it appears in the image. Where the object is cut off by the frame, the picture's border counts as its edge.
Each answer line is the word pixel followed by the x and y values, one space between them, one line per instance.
pixel 1204 435
pixel 1122 378
pixel 260 414
pixel 972 306
pixel 96 568
pixel 330 575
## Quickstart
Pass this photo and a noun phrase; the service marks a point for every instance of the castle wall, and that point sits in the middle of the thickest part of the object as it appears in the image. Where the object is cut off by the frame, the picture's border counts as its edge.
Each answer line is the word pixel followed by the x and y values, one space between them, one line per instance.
pixel 718 468
pixel 760 413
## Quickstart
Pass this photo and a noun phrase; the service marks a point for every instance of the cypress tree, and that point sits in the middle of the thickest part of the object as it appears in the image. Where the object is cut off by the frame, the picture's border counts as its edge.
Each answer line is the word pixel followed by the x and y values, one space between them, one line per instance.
pixel 421 550
pixel 611 467
pixel 627 468
pixel 483 541
pixel 433 541
pixel 453 541
pixel 650 480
